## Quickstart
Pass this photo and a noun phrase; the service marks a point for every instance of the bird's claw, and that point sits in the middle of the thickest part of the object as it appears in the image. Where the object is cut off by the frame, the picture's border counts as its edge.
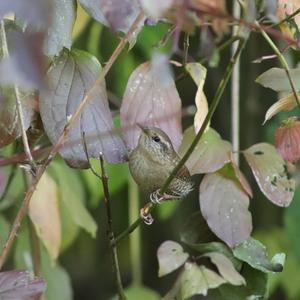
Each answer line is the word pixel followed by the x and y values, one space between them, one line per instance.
pixel 156 197
pixel 148 219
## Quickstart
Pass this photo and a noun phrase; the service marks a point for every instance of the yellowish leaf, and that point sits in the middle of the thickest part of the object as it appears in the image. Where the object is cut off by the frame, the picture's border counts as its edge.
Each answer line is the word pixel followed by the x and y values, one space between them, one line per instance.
pixel 198 73
pixel 284 104
pixel 44 213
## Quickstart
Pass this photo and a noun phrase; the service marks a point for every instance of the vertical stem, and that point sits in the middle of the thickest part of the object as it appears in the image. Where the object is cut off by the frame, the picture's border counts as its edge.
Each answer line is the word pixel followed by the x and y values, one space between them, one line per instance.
pixel 111 235
pixel 135 238
pixel 235 92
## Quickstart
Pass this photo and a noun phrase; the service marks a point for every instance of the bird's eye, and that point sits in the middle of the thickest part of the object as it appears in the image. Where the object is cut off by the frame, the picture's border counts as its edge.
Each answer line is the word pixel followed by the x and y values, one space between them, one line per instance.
pixel 156 139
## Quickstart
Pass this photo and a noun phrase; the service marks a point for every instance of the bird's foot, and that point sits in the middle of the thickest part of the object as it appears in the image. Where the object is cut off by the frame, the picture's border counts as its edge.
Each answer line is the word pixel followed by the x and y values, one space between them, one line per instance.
pixel 156 197
pixel 146 216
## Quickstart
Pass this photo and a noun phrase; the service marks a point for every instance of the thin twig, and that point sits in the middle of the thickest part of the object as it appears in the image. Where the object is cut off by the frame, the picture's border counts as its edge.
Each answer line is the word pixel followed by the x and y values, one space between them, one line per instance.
pixel 135 238
pixel 24 206
pixel 104 179
pixel 235 92
pixel 283 63
pixel 149 206
pixel 111 235
pixel 18 102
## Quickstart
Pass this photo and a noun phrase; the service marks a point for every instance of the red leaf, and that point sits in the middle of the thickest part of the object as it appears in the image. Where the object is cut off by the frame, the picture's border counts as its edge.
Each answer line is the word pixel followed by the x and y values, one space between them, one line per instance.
pixel 287 139
pixel 151 99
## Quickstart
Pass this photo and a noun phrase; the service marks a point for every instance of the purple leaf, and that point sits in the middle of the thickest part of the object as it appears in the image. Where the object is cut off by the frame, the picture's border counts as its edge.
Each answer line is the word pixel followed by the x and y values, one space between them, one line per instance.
pixel 59 34
pixel 20 285
pixel 34 12
pixel 271 174
pixel 72 74
pixel 117 14
pixel 210 154
pixel 151 99
pixel 224 205
pixel 25 65
pixel 170 257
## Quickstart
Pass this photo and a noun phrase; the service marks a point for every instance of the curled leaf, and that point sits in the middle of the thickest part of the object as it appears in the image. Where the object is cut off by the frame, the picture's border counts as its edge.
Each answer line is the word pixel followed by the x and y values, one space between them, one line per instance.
pixel 226 268
pixel 277 80
pixel 151 99
pixel 271 174
pixel 224 205
pixel 72 74
pixel 254 253
pixel 170 257
pixel 44 213
pixel 210 154
pixel 284 104
pixel 198 73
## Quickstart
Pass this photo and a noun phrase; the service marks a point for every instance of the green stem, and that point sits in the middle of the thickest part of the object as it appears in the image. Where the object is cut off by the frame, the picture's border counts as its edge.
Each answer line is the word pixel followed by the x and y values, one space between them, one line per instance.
pixel 135 239
pixel 283 63
pixel 209 115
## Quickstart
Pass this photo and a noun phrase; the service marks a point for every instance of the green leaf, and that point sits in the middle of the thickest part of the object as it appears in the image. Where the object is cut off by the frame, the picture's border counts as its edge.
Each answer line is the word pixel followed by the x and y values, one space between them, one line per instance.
pixel 204 248
pixel 71 195
pixel 210 154
pixel 254 253
pixel 170 257
pixel 138 292
pixel 226 268
pixel 277 80
pixel 256 287
pixel 58 280
pixel 271 174
pixel 59 34
pixel 197 280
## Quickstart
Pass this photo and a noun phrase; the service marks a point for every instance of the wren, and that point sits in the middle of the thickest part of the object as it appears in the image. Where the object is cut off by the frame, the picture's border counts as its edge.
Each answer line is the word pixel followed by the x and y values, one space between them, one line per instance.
pixel 152 162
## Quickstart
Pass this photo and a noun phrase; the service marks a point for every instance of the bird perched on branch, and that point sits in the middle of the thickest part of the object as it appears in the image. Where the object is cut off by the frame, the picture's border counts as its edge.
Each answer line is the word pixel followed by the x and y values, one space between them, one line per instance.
pixel 152 162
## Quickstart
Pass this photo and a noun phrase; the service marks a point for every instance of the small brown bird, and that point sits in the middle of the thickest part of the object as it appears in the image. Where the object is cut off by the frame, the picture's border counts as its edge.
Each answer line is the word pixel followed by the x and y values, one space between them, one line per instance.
pixel 151 163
